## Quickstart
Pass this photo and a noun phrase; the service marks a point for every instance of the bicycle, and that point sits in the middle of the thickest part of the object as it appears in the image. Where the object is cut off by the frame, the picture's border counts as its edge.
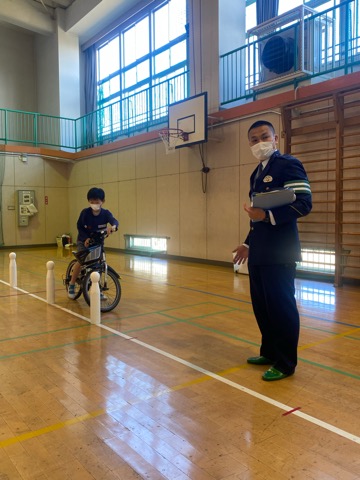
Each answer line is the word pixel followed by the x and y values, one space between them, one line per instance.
pixel 93 259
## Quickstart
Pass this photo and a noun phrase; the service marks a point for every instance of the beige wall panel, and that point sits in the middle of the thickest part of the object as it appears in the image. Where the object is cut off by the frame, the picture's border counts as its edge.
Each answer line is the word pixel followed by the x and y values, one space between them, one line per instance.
pixel 246 157
pixel 35 232
pixel 145 161
pixel 112 204
pixel 146 206
pixel 190 160
pixel 245 172
pixel 9 217
pixel 95 172
pixel 9 174
pixel 126 164
pixel 56 213
pixel 79 175
pixel 192 216
pixel 166 164
pixel 56 173
pixel 127 210
pixel 225 152
pixel 77 201
pixel 168 214
pixel 222 213
pixel 29 173
pixel 109 165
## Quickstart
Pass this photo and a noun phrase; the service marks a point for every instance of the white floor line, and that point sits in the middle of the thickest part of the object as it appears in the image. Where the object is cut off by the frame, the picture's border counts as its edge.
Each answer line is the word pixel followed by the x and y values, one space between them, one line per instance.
pixel 44 300
pixel 275 403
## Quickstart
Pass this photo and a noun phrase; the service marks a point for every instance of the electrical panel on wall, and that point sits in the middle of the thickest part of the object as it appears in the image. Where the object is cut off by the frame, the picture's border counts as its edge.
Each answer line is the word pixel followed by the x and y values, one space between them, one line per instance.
pixel 26 207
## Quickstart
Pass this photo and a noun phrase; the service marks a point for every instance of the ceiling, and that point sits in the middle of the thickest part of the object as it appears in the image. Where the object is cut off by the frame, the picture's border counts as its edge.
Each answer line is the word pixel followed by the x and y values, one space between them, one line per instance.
pixel 84 18
pixel 52 4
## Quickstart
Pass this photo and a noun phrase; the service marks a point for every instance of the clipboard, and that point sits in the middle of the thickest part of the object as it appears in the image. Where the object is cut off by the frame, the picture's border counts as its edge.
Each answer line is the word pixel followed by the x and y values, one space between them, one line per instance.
pixel 273 198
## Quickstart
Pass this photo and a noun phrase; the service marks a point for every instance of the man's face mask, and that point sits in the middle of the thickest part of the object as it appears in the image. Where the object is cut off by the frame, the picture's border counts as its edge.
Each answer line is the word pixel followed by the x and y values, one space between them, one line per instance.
pixel 262 150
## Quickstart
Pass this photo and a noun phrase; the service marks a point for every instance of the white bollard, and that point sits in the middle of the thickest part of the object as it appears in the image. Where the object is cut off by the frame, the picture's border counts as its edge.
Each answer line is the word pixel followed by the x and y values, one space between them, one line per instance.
pixel 95 312
pixel 50 282
pixel 12 270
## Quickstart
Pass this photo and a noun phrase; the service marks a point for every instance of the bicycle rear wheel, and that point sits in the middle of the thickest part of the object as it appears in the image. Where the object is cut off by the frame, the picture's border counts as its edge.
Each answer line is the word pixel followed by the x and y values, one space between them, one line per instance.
pixel 78 283
pixel 110 291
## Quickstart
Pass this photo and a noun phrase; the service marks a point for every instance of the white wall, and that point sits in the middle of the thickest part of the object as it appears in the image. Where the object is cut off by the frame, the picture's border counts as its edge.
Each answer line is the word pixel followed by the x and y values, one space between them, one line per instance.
pixel 69 71
pixel 18 70
pixel 47 75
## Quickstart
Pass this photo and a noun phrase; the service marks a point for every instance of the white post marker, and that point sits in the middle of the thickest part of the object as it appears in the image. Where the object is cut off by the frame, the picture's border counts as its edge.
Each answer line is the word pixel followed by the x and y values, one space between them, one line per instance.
pixel 12 270
pixel 95 312
pixel 50 282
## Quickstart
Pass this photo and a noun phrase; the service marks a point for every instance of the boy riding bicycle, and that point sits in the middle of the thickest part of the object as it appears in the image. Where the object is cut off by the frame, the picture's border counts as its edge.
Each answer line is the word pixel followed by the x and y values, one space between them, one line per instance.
pixel 91 220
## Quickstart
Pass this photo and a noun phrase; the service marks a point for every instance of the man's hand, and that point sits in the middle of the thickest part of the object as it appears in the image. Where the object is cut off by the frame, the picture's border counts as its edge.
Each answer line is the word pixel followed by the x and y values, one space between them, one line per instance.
pixel 241 253
pixel 257 214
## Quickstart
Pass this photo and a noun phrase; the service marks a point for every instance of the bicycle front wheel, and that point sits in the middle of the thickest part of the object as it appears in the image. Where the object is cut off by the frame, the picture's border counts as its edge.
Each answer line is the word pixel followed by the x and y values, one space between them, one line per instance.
pixel 69 271
pixel 110 290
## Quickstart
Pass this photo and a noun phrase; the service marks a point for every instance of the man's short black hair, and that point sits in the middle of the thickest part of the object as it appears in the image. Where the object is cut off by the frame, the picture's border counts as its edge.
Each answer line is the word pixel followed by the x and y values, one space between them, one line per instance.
pixel 260 123
pixel 96 194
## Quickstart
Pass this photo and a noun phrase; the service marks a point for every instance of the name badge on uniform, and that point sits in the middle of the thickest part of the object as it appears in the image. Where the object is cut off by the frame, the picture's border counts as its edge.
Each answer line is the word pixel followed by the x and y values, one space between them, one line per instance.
pixel 268 179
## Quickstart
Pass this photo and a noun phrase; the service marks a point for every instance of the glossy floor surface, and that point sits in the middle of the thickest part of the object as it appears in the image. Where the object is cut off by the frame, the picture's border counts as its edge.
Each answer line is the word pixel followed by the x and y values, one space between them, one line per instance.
pixel 161 389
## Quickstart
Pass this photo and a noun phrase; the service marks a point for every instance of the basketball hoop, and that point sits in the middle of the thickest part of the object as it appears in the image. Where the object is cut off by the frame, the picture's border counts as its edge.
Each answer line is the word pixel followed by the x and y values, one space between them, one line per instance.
pixel 172 137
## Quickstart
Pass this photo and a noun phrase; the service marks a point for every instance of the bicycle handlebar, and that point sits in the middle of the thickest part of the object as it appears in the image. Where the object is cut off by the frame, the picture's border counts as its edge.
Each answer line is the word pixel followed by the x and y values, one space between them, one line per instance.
pixel 100 235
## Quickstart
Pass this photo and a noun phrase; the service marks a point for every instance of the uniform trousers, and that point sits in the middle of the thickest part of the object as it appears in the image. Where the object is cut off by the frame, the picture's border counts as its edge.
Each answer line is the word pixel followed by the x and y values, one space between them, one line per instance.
pixel 272 290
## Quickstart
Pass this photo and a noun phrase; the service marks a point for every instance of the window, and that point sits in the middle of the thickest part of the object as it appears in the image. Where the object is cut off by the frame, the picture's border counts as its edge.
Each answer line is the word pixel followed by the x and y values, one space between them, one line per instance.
pixel 317 260
pixel 142 67
pixel 146 243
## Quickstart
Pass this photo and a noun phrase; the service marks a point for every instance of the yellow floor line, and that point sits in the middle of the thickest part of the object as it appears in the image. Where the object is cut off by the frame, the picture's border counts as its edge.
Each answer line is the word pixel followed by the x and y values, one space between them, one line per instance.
pixel 330 339
pixel 50 428
pixel 97 413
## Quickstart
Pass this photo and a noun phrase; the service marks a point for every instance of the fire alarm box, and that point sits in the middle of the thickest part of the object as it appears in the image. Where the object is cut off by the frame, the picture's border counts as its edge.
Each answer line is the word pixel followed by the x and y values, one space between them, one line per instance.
pixel 26 206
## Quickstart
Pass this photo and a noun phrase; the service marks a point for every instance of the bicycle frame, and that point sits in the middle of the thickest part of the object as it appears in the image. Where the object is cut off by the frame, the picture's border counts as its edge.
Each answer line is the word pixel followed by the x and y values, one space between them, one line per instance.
pixel 92 259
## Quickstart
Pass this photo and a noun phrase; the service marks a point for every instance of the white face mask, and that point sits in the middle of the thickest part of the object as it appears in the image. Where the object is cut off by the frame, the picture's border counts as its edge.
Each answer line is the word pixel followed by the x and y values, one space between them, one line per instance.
pixel 95 207
pixel 262 150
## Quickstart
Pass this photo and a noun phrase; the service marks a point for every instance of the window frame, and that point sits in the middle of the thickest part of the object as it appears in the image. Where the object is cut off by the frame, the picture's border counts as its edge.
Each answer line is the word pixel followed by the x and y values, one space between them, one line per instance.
pixel 151 79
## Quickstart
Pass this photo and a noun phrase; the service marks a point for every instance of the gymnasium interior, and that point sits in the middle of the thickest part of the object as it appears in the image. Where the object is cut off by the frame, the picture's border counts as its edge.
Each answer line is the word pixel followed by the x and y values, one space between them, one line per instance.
pixel 152 101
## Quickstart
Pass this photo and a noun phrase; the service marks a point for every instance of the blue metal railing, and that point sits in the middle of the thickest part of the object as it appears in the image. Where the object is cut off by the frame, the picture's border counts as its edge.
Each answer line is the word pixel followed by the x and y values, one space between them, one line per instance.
pixel 142 111
pixel 326 44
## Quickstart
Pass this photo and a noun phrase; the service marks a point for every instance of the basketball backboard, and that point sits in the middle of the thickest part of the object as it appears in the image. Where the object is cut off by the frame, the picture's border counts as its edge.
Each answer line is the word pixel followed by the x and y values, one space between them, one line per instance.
pixel 190 115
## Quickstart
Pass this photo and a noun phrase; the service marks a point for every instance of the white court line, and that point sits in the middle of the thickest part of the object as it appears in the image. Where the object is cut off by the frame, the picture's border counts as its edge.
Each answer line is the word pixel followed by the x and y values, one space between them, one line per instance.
pixel 275 403
pixel 45 301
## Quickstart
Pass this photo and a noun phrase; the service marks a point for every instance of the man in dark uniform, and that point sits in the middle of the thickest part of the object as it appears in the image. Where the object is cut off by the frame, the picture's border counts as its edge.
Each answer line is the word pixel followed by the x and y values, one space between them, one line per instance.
pixel 272 248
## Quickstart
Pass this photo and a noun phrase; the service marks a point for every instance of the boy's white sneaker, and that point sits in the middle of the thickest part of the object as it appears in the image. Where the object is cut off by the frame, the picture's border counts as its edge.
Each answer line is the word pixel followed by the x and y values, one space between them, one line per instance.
pixel 71 292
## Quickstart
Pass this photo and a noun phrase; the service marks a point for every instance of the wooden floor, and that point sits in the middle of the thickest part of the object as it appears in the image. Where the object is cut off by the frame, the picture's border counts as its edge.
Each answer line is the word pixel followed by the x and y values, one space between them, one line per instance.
pixel 161 389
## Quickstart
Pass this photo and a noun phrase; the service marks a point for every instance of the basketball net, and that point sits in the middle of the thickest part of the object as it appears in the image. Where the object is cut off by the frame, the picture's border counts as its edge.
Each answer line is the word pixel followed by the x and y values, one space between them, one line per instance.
pixel 171 138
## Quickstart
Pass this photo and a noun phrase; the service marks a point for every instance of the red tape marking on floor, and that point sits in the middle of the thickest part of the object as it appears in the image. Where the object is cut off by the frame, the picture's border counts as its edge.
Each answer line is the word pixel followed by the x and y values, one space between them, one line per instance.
pixel 291 411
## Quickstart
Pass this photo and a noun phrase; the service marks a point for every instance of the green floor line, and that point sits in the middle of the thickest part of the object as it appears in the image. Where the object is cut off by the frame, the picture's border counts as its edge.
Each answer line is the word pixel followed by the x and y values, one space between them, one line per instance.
pixel 330 369
pixel 54 347
pixel 36 334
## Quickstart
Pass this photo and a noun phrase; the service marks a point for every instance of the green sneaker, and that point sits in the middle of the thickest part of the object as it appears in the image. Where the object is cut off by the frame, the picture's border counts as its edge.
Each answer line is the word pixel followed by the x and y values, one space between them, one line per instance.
pixel 260 360
pixel 273 374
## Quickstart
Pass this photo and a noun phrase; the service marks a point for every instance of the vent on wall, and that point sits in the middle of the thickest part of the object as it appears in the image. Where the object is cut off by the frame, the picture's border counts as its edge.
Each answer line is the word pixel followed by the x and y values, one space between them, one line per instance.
pixel 288 46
